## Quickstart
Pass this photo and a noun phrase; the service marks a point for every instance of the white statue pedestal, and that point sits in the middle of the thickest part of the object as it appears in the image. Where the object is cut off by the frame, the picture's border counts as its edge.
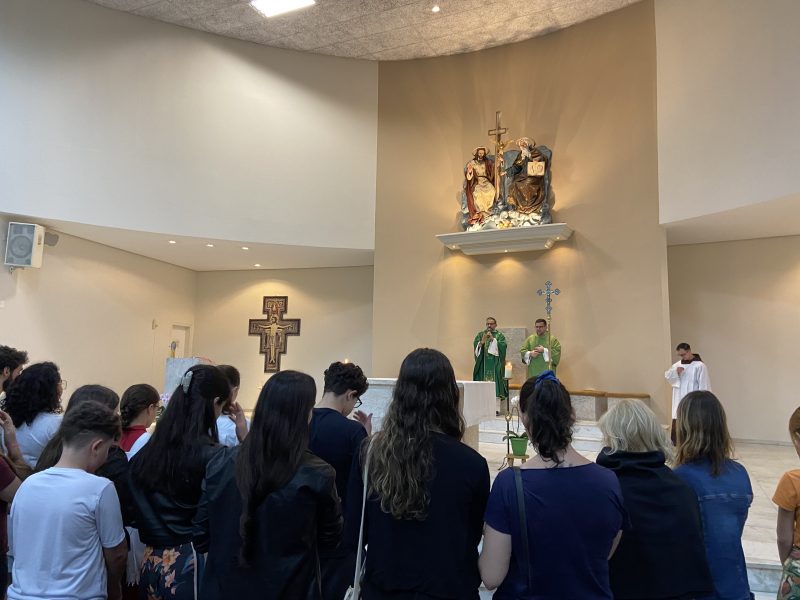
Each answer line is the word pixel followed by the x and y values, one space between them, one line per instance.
pixel 476 400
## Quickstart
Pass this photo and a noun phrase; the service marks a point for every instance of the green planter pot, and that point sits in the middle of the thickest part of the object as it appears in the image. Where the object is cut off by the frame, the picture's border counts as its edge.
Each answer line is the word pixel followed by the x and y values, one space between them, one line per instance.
pixel 519 446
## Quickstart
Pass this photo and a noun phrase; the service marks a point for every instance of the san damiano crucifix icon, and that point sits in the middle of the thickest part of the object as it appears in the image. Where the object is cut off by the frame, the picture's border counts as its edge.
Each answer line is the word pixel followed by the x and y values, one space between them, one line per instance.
pixel 273 331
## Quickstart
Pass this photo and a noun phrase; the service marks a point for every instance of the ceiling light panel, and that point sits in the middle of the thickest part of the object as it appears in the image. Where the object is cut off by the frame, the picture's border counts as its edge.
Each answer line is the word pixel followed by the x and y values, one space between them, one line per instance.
pixel 271 8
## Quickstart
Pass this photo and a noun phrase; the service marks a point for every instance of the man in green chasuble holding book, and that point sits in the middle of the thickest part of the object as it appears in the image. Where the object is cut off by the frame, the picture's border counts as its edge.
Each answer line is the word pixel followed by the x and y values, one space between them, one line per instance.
pixel 489 347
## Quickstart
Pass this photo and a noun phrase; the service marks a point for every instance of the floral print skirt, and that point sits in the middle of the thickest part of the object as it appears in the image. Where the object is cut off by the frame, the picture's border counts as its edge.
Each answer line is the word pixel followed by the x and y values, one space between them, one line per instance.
pixel 789 589
pixel 170 573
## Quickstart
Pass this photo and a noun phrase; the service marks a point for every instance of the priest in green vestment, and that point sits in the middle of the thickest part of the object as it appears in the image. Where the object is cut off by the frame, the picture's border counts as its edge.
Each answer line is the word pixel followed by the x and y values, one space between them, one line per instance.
pixel 541 351
pixel 489 346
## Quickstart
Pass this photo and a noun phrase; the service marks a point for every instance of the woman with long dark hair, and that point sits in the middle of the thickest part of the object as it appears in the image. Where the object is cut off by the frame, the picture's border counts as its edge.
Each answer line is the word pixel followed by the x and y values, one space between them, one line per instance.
pixel 138 409
pixel 269 505
pixel 166 477
pixel 704 458
pixel 427 491
pixel 552 524
pixel 33 401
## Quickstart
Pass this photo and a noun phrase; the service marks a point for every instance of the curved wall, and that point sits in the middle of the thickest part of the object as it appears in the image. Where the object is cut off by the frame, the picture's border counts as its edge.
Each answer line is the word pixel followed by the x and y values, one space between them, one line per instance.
pixel 116 120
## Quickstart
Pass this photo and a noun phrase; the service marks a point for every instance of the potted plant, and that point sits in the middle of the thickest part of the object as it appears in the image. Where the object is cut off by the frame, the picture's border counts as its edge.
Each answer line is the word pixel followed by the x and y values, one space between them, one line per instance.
pixel 519 442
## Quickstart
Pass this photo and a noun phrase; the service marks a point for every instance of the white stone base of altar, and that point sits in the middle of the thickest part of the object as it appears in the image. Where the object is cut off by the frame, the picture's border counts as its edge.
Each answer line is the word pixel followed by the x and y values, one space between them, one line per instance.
pixel 477 403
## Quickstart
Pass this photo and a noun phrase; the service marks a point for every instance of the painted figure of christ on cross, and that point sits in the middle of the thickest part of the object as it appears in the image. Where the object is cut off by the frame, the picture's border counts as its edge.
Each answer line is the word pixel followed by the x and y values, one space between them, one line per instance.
pixel 273 331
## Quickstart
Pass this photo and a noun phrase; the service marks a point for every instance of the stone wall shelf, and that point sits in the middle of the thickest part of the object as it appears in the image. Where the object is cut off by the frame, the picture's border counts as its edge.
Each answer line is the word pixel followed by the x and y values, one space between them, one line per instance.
pixel 501 241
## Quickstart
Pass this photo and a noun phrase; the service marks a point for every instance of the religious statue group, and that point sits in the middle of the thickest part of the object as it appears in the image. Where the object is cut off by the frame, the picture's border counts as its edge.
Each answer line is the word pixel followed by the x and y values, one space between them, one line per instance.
pixel 510 188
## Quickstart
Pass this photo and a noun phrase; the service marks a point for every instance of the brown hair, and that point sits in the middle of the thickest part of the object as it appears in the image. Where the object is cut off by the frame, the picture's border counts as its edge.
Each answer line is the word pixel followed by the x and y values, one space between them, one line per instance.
pixel 794 422
pixel 702 431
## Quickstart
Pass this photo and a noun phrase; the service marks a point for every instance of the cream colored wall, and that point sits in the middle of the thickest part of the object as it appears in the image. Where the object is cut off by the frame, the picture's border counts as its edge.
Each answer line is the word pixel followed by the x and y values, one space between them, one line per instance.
pixel 589 93
pixel 117 120
pixel 736 304
pixel 727 104
pixel 90 309
pixel 334 305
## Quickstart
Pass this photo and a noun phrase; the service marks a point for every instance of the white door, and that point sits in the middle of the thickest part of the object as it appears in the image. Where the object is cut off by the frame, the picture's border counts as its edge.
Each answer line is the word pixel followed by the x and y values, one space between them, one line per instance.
pixel 179 342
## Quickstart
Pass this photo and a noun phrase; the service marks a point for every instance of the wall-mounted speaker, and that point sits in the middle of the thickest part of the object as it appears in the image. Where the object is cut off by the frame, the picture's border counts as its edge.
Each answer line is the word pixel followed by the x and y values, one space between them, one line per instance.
pixel 25 245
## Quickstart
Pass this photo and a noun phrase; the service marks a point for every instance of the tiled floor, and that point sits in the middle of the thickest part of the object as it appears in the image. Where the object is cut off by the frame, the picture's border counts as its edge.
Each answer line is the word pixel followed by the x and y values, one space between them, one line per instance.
pixel 765 463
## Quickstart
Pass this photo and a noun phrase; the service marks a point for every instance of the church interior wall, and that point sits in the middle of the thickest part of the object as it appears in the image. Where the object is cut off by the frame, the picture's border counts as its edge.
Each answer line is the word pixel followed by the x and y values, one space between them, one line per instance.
pixel 727 105
pixel 91 309
pixel 117 120
pixel 334 305
pixel 736 304
pixel 587 92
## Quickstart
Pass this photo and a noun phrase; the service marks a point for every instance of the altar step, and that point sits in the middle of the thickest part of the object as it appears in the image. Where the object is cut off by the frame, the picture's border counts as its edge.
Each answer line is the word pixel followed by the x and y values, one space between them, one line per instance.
pixel 586 436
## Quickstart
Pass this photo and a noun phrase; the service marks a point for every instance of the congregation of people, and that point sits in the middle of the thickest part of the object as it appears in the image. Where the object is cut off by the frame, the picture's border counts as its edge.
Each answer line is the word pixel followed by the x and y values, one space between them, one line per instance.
pixel 305 501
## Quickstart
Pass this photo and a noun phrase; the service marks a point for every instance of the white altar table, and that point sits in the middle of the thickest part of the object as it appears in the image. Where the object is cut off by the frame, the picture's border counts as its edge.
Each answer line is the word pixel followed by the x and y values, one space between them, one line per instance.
pixel 476 401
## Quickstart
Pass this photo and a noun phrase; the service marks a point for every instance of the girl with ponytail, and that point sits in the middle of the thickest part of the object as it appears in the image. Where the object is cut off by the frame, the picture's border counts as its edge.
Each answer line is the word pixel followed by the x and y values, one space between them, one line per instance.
pixel 166 477
pixel 138 409
pixel 269 505
pixel 552 524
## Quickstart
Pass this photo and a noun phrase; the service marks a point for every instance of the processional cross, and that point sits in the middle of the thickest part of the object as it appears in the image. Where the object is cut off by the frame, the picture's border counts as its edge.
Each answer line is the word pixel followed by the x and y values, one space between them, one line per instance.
pixel 547 293
pixel 499 148
pixel 273 331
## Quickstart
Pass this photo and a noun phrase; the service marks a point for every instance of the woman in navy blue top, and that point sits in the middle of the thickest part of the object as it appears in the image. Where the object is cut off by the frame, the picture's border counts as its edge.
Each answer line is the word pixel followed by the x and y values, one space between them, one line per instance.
pixel 722 486
pixel 573 511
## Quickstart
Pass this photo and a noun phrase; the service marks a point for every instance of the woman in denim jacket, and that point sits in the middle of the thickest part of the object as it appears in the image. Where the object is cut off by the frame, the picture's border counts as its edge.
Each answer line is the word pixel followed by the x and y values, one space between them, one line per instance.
pixel 722 486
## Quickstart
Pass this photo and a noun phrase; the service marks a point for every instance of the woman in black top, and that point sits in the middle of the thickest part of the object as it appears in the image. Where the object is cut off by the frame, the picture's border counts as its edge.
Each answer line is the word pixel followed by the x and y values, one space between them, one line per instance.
pixel 270 505
pixel 166 477
pixel 662 555
pixel 427 491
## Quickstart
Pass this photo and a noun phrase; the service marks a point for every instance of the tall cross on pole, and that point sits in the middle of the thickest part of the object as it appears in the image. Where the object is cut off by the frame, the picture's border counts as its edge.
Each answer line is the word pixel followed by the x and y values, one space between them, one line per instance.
pixel 499 146
pixel 548 308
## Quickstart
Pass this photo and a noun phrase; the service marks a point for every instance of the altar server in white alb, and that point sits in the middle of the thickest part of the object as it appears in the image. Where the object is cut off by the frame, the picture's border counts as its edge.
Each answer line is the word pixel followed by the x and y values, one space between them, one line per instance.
pixel 689 374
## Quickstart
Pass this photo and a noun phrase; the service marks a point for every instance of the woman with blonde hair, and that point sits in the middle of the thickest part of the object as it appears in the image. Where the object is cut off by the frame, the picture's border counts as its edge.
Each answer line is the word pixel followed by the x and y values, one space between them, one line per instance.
pixel 662 555
pixel 722 486
pixel 427 491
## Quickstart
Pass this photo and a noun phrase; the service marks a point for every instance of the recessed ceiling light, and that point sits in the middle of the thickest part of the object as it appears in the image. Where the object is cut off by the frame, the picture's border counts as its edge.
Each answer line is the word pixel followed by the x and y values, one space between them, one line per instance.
pixel 436 8
pixel 272 8
pixel 209 245
pixel 173 242
pixel 257 265
pixel 245 248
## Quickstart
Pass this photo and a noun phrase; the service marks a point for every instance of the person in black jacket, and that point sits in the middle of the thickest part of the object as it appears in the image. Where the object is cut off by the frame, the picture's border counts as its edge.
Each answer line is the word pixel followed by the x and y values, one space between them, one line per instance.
pixel 427 491
pixel 269 506
pixel 166 478
pixel 662 555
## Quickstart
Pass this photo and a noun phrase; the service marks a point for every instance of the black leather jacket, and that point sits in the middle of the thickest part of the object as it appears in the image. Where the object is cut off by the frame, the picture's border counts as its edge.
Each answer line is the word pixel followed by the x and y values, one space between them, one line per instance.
pixel 165 520
pixel 293 525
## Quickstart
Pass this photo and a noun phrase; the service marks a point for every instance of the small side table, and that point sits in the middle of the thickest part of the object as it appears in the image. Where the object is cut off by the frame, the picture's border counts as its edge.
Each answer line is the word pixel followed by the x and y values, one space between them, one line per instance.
pixel 510 458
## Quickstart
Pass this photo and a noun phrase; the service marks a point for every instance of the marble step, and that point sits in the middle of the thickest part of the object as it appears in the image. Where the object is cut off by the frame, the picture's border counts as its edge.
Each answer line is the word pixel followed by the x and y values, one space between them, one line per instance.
pixel 586 435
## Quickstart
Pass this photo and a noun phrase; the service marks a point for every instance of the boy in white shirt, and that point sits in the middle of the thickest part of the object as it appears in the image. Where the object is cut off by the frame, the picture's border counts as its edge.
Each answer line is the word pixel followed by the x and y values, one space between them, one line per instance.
pixel 68 540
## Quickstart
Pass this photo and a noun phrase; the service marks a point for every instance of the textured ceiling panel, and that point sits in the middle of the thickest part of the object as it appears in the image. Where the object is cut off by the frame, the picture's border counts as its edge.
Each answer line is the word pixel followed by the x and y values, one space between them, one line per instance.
pixel 377 29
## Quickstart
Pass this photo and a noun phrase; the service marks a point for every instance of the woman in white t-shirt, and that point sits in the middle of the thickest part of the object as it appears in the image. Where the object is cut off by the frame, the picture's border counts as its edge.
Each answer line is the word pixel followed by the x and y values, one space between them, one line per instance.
pixel 232 426
pixel 33 402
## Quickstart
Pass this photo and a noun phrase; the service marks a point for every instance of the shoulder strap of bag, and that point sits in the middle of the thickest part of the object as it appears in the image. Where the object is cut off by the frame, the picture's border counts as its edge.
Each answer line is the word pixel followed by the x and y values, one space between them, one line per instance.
pixel 523 525
pixel 360 552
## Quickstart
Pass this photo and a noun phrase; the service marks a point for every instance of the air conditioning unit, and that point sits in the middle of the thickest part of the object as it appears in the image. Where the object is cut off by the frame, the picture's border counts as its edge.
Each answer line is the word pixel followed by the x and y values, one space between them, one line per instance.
pixel 25 245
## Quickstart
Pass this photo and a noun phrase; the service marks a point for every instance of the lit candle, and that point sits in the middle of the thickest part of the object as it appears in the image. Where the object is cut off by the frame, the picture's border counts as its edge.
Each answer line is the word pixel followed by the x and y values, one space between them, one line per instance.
pixel 346 360
pixel 508 370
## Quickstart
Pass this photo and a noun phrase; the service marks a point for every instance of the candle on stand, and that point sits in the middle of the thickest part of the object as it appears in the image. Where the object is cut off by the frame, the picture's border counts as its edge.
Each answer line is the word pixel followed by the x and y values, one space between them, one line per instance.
pixel 508 370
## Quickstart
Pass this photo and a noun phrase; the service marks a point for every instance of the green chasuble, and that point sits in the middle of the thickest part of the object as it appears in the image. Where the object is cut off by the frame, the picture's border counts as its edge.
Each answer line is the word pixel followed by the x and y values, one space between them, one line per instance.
pixel 538 365
pixel 489 367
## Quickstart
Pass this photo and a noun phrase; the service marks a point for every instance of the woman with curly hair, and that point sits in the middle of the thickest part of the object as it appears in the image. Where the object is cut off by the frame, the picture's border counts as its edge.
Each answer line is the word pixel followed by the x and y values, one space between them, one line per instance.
pixel 427 491
pixel 552 524
pixel 33 401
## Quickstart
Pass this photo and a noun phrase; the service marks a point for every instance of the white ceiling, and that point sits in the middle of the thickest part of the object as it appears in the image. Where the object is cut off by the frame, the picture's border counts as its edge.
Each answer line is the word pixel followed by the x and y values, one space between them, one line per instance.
pixel 774 218
pixel 377 29
pixel 193 253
